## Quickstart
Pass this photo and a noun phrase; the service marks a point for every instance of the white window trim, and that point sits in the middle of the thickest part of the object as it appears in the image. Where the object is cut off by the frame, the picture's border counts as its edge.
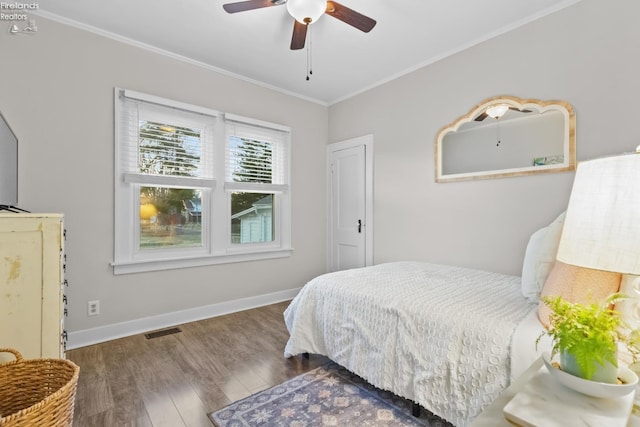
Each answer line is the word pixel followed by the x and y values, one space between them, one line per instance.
pixel 256 188
pixel 260 123
pixel 217 247
pixel 152 99
pixel 178 181
pixel 198 261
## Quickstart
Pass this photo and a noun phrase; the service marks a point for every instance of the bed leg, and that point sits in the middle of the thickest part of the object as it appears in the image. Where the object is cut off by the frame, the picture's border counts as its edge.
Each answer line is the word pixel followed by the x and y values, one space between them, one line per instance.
pixel 305 355
pixel 415 410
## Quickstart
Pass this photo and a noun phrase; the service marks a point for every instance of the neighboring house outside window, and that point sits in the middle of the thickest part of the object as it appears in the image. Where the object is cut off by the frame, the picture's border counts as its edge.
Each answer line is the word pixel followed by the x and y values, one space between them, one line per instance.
pixel 187 177
pixel 254 224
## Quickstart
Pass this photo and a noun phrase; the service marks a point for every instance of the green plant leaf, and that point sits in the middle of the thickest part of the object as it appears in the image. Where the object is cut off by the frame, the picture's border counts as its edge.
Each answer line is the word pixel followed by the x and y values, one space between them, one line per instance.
pixel 589 332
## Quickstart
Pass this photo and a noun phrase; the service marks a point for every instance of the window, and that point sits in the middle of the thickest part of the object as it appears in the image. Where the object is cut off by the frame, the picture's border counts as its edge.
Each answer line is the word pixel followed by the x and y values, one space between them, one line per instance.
pixel 255 180
pixel 196 187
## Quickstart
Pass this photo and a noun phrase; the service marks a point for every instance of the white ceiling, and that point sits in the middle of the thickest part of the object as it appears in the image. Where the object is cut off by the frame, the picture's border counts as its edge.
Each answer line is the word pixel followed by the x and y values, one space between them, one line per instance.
pixel 254 45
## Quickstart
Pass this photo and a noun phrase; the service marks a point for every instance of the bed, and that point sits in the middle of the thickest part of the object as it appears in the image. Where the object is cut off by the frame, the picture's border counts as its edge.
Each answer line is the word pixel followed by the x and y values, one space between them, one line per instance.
pixel 447 338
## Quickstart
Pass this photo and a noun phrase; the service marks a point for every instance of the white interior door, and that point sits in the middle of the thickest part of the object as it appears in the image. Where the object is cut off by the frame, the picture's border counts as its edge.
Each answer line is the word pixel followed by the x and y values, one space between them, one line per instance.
pixel 349 203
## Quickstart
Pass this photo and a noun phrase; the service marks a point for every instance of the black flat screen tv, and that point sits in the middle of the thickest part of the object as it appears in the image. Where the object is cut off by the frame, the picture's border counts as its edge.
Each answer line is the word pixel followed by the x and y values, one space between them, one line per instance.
pixel 8 165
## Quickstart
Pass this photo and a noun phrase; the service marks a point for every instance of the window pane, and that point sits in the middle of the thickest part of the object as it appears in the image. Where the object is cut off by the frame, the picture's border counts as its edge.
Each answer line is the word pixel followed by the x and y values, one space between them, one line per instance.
pixel 166 149
pixel 170 218
pixel 252 217
pixel 250 160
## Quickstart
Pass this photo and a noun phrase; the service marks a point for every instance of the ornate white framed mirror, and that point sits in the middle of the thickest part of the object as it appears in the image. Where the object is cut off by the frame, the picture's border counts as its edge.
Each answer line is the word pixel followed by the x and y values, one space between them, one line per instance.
pixel 507 136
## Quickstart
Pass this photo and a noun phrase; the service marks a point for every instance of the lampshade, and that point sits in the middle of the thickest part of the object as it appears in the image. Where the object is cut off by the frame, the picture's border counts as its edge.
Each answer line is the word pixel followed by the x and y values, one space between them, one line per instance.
pixel 602 224
pixel 306 11
pixel 497 111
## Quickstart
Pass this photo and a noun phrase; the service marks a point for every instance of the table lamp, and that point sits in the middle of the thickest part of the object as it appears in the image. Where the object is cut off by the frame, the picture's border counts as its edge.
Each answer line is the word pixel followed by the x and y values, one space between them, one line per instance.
pixel 602 224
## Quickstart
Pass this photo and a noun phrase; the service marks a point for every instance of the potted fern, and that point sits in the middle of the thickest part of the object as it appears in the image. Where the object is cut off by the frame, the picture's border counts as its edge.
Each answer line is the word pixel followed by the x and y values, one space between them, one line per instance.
pixel 586 337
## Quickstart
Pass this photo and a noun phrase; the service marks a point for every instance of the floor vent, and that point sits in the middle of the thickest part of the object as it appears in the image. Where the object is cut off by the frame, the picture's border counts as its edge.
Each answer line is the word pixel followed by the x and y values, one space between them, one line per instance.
pixel 162 333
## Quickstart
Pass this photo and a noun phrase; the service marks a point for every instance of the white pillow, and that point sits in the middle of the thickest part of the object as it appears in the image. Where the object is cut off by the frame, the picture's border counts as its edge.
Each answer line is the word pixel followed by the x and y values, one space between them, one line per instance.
pixel 629 310
pixel 539 258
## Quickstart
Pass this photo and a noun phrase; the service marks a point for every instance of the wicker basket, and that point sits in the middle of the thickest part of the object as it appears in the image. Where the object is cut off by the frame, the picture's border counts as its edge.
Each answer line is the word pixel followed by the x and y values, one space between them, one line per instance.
pixel 37 392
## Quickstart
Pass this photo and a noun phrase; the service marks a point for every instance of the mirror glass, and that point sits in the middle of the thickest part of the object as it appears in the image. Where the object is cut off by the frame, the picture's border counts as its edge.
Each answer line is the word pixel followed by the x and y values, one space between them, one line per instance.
pixel 507 136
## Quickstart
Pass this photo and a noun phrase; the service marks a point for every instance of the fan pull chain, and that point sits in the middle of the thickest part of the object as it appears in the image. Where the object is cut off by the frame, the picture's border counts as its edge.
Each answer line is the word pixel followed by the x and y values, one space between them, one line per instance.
pixel 309 70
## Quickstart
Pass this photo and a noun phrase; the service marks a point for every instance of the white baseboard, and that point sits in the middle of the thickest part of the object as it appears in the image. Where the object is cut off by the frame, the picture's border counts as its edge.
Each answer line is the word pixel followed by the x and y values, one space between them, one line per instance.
pixel 101 334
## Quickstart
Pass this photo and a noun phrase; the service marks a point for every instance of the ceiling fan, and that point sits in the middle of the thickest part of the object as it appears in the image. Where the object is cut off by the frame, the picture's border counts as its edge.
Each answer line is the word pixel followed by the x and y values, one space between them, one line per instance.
pixel 306 12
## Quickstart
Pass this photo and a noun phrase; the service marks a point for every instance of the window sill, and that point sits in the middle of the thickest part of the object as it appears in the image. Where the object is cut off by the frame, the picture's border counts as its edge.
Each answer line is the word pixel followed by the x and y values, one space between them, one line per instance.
pixel 128 267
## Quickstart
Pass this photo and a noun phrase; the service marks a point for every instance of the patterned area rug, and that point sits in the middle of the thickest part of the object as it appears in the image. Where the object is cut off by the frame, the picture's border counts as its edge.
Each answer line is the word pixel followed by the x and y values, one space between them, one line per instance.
pixel 326 396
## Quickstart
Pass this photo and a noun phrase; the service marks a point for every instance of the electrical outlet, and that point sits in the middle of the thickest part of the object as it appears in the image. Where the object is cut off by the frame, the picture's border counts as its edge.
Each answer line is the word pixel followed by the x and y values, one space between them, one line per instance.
pixel 93 308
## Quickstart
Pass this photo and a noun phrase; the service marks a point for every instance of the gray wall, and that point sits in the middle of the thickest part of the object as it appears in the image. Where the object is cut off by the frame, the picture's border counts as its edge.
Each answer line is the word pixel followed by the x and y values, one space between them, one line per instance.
pixel 56 91
pixel 586 54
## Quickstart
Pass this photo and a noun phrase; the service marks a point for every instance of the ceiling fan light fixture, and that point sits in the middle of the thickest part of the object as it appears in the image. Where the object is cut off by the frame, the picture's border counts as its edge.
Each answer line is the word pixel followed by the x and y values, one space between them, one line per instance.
pixel 497 111
pixel 306 11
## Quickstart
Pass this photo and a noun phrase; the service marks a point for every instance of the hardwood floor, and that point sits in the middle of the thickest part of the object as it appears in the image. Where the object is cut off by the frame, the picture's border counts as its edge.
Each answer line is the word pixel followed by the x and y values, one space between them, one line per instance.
pixel 175 380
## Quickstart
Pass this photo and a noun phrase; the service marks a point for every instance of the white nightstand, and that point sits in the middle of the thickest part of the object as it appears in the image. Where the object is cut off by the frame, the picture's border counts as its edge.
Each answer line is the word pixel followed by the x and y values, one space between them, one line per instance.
pixel 592 411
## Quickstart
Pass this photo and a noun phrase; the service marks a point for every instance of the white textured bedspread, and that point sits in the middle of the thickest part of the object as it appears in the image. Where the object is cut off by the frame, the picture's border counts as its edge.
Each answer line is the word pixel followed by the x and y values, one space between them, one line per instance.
pixel 435 334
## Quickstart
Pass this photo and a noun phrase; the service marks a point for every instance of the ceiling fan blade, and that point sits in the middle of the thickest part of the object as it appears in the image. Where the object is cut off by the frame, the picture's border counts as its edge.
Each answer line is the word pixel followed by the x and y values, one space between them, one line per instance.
pixel 350 16
pixel 517 109
pixel 481 117
pixel 299 35
pixel 241 6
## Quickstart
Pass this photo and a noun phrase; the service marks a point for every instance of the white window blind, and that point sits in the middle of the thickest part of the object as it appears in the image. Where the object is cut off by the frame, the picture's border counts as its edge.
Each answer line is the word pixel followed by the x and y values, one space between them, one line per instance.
pixel 166 142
